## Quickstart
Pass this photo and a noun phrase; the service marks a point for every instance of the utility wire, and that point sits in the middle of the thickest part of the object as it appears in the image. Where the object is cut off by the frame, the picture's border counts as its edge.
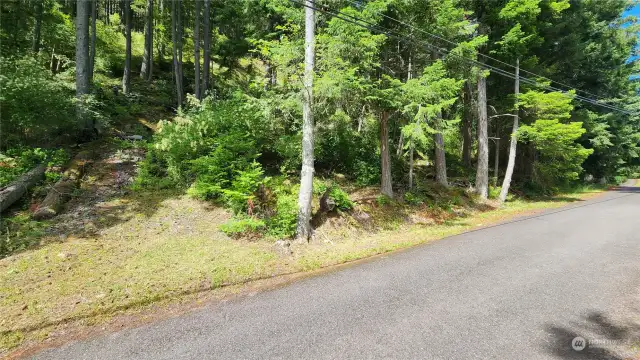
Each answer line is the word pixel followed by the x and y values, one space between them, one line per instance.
pixel 374 27
pixel 479 53
pixel 388 32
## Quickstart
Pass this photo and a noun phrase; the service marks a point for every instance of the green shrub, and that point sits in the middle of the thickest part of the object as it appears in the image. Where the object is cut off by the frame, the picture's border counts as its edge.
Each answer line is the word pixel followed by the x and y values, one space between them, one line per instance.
pixel 152 174
pixel 283 223
pixel 214 140
pixel 15 162
pixel 494 192
pixel 618 179
pixel 366 173
pixel 341 198
pixel 18 233
pixel 243 226
pixel 243 188
pixel 320 186
pixel 37 107
pixel 414 198
pixel 383 200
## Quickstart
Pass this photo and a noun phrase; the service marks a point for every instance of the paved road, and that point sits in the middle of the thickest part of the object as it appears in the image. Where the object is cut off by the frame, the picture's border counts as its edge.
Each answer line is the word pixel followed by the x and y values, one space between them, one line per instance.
pixel 521 290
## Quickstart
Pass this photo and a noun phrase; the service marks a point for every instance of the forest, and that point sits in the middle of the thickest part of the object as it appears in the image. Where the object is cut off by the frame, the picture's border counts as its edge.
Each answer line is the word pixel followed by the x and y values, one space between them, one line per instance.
pixel 268 107
pixel 156 154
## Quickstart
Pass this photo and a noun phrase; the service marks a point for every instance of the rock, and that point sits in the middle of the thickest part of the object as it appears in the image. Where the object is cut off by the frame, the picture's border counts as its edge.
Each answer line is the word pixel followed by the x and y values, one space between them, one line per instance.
pixel 283 248
pixel 362 216
pixel 327 204
pixel 340 178
pixel 363 219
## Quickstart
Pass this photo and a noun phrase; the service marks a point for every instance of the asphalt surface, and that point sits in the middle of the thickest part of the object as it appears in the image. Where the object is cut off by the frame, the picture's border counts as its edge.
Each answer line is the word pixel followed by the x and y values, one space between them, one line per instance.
pixel 521 290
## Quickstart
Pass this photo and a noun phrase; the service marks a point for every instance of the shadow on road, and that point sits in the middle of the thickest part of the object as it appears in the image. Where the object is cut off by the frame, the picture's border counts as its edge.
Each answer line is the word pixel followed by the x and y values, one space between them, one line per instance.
pixel 626 189
pixel 606 338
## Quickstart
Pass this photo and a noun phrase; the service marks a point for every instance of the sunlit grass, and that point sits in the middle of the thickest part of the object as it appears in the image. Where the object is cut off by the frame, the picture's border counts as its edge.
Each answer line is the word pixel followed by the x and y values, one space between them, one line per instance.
pixel 169 247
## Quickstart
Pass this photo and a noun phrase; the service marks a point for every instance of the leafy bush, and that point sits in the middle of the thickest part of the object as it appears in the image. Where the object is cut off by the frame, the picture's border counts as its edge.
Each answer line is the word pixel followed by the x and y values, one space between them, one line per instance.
pixel 243 188
pixel 19 232
pixel 341 199
pixel 383 200
pixel 15 162
pixel 339 196
pixel 214 139
pixel 36 106
pixel 366 173
pixel 242 226
pixel 283 223
pixel 414 198
pixel 214 146
pixel 494 191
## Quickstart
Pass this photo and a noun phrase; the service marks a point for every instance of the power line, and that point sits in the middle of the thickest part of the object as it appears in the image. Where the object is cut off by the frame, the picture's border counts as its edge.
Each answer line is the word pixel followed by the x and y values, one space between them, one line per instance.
pixel 479 53
pixel 475 62
pixel 374 27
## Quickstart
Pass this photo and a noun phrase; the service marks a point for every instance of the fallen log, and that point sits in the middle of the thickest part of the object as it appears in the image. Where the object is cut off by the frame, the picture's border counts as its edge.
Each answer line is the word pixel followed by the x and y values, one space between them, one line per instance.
pixel 15 190
pixel 61 191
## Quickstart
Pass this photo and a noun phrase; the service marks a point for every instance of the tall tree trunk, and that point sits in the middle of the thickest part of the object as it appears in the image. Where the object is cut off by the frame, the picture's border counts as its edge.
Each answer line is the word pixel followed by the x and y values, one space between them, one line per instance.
pixel 496 161
pixel 411 164
pixel 174 41
pixel 303 231
pixel 482 173
pixel 36 31
pixel 126 78
pixel 92 55
pixel 400 148
pixel 196 50
pixel 206 63
pixel 151 24
pixel 147 57
pixel 385 159
pixel 161 44
pixel 267 74
pixel 53 56
pixel 107 20
pixel 467 137
pixel 506 183
pixel 180 31
pixel 440 159
pixel 82 64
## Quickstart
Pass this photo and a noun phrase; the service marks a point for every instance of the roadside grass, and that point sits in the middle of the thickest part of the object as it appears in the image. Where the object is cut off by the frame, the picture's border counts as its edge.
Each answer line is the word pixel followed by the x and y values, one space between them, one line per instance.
pixel 164 250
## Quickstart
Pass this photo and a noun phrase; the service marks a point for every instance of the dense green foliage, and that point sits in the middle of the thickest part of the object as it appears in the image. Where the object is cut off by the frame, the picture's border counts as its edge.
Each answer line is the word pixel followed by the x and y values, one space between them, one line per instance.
pixel 241 145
